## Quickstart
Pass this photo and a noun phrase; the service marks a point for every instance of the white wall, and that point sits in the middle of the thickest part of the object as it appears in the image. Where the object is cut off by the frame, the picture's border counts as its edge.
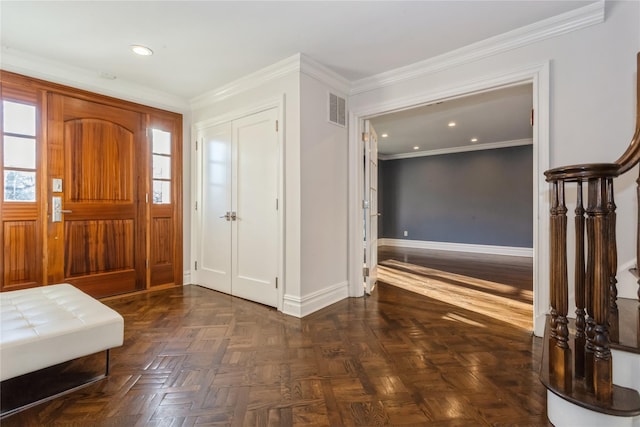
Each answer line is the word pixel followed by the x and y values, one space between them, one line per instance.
pixel 592 100
pixel 323 163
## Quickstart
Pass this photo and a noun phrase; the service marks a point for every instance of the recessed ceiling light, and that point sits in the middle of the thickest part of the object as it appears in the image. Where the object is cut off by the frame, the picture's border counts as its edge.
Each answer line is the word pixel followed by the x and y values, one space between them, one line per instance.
pixel 416 148
pixel 384 135
pixel 474 139
pixel 451 124
pixel 141 50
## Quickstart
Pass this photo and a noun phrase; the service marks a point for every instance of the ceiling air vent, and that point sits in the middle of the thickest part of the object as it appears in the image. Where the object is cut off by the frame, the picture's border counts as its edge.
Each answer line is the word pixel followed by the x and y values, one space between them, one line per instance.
pixel 337 110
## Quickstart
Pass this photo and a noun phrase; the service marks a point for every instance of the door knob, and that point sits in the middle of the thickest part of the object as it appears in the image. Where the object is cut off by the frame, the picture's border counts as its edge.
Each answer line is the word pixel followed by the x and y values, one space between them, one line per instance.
pixel 233 216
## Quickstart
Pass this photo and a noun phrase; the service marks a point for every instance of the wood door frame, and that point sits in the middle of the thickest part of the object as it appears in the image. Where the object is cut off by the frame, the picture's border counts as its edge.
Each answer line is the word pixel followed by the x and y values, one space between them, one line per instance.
pixel 17 83
pixel 538 76
pixel 196 187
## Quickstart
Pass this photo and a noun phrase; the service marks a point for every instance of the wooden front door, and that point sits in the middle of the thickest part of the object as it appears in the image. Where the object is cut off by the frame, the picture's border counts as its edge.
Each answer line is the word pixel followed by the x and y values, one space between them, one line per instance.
pixel 97 240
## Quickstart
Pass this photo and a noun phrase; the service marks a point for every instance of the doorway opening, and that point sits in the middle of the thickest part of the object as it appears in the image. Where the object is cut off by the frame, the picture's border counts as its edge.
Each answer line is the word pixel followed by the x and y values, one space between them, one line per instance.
pixel 535 80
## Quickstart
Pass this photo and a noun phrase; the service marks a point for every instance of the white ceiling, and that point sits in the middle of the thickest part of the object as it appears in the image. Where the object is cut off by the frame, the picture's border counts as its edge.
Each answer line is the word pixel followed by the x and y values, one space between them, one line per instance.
pixel 499 116
pixel 202 45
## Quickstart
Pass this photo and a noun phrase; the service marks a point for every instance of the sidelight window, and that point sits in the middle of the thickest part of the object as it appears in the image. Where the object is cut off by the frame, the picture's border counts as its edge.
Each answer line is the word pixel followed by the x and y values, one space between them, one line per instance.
pixel 19 151
pixel 161 152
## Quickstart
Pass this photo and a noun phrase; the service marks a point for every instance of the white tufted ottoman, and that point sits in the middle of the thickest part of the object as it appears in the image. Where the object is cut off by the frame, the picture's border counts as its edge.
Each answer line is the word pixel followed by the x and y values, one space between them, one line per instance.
pixel 44 326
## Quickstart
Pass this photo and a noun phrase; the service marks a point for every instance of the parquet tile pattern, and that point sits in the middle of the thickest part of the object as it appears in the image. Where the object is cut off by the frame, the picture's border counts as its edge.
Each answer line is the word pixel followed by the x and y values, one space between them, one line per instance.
pixel 193 356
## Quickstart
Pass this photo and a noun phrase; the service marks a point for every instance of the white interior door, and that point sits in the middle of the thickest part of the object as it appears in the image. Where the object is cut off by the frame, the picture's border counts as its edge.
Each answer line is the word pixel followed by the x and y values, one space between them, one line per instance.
pixel 370 205
pixel 214 269
pixel 254 244
pixel 239 239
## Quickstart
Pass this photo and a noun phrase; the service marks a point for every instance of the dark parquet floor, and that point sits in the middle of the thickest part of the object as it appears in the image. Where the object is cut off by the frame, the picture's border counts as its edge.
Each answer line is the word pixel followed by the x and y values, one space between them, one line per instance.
pixel 193 356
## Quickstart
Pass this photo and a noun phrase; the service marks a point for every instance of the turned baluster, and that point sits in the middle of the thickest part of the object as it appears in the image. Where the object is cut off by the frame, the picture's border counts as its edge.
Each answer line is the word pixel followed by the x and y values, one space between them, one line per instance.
pixel 580 337
pixel 588 294
pixel 597 210
pixel 614 327
pixel 560 353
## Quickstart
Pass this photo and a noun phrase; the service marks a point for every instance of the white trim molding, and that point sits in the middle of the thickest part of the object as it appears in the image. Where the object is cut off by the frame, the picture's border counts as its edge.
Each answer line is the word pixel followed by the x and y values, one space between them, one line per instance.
pixel 458 247
pixel 307 304
pixel 551 27
pixel 462 149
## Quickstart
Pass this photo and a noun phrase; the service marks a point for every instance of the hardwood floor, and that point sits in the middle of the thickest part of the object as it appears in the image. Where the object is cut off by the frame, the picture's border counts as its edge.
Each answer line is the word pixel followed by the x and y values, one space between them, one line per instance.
pixel 475 282
pixel 193 356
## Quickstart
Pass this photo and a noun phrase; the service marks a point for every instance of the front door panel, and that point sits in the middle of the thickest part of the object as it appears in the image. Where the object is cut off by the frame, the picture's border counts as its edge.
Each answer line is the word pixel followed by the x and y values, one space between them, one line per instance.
pixel 99 232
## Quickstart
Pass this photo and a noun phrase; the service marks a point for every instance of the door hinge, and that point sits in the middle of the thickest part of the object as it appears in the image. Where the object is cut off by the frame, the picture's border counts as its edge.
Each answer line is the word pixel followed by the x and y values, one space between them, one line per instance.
pixel 276 283
pixel 365 136
pixel 365 204
pixel 196 205
pixel 276 126
pixel 146 198
pixel 146 263
pixel 276 204
pixel 365 271
pixel 196 265
pixel 196 145
pixel 532 116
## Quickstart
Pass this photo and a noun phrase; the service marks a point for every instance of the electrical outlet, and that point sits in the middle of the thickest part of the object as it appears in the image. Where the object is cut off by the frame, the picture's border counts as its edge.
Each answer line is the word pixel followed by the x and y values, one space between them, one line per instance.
pixel 406 233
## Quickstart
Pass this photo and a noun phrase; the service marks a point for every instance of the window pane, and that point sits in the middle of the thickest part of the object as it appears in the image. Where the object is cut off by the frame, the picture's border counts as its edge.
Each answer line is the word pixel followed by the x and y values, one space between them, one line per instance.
pixel 161 192
pixel 19 118
pixel 19 186
pixel 19 152
pixel 161 141
pixel 161 167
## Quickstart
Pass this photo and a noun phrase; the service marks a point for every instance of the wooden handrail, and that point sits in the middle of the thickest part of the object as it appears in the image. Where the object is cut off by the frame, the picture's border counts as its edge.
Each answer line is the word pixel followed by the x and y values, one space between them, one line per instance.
pixel 631 157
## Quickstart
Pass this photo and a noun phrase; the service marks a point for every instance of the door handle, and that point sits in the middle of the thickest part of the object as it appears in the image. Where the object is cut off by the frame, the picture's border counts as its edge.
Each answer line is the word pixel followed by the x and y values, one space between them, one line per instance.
pixel 66 211
pixel 227 216
pixel 234 217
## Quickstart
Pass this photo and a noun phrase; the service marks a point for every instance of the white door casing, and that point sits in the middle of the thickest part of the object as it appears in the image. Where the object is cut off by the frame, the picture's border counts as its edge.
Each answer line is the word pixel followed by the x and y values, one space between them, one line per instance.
pixel 538 75
pixel 370 206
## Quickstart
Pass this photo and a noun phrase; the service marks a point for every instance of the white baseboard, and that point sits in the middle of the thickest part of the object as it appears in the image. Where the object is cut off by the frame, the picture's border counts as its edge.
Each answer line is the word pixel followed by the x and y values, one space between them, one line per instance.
pixel 307 304
pixel 458 247
pixel 186 278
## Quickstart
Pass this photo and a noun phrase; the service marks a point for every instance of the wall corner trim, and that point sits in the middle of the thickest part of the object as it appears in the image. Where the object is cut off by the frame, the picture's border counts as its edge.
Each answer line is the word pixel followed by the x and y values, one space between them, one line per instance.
pixel 307 304
pixel 320 72
pixel 458 247
pixel 577 19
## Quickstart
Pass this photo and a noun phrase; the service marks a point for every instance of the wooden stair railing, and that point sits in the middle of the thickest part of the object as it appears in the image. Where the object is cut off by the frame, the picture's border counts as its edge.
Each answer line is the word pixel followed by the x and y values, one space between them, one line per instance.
pixel 579 369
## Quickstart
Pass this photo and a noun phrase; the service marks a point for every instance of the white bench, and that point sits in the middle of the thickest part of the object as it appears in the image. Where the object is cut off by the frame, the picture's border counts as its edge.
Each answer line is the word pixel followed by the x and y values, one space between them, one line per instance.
pixel 48 325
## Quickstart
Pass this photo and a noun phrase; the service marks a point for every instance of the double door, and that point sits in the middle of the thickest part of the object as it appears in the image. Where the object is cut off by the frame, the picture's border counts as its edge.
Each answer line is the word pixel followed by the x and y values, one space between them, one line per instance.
pixel 239 238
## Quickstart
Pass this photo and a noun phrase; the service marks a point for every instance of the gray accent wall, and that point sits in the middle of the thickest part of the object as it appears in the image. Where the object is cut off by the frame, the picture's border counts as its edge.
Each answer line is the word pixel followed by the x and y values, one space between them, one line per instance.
pixel 478 197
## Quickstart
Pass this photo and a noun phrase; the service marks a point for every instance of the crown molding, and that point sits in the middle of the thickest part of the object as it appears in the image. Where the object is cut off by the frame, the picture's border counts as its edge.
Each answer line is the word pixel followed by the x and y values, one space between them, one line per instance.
pixel 324 74
pixel 551 27
pixel 250 81
pixel 299 62
pixel 464 149
pixel 82 78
